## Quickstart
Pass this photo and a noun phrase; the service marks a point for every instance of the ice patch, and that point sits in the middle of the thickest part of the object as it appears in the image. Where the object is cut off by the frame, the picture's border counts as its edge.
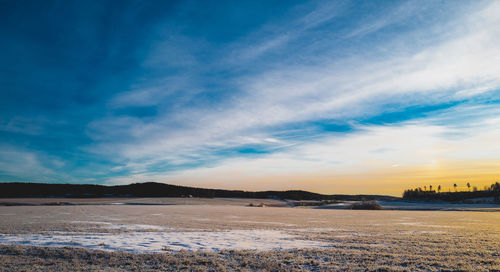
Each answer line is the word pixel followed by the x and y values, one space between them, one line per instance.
pixel 91 222
pixel 265 223
pixel 318 229
pixel 115 226
pixel 144 242
pixel 137 227
pixel 410 223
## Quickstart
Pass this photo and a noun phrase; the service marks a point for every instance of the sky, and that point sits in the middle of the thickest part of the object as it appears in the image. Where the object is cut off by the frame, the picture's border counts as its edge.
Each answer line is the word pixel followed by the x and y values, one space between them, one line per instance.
pixel 327 96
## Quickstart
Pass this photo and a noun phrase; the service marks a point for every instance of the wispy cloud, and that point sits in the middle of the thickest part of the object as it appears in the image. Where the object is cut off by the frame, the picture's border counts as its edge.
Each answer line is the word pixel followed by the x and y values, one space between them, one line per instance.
pixel 23 125
pixel 274 35
pixel 418 148
pixel 24 165
pixel 295 94
pixel 334 89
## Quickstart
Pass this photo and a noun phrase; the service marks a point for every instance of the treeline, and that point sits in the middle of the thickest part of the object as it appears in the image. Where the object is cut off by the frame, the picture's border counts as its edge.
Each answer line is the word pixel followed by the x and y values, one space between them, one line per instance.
pixel 152 189
pixel 428 193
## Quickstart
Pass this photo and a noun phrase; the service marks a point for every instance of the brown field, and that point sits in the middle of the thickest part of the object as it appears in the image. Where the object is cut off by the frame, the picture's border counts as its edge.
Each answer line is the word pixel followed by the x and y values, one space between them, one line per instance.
pixel 345 240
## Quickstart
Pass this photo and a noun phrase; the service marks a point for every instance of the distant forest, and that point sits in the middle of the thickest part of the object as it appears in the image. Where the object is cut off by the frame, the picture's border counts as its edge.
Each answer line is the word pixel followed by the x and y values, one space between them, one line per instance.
pixel 152 189
pixel 433 193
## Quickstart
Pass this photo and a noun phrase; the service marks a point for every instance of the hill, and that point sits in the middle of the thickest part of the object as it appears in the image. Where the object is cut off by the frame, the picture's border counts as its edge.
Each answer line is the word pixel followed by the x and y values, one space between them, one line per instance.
pixel 152 189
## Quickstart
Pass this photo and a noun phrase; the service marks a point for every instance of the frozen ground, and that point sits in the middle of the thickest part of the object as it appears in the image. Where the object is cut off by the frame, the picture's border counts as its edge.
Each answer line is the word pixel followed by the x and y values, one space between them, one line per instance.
pixel 140 201
pixel 422 206
pixel 389 205
pixel 441 206
pixel 145 242
pixel 323 238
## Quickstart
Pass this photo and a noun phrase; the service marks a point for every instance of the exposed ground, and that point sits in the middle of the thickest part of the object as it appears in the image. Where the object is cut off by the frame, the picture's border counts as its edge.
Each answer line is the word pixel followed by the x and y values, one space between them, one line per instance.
pixel 198 237
pixel 138 201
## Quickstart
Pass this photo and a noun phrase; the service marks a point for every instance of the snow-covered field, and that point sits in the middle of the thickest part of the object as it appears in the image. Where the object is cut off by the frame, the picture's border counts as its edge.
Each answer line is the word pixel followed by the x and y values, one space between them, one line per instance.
pixel 214 227
pixel 397 237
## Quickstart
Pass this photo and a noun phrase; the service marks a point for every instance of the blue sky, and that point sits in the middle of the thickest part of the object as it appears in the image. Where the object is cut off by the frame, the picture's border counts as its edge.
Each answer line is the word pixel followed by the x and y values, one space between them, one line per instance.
pixel 328 96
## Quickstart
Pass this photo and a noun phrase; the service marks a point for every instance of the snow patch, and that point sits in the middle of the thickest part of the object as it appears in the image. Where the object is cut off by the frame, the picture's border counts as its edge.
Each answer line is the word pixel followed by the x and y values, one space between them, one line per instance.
pixel 144 242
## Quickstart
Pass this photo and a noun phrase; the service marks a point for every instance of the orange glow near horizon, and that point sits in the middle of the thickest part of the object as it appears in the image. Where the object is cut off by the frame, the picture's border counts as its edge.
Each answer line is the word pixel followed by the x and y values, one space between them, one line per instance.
pixel 388 181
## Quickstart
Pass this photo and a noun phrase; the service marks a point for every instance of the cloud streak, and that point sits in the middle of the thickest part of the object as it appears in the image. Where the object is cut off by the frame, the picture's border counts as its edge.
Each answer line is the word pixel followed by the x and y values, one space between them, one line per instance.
pixel 310 90
pixel 339 89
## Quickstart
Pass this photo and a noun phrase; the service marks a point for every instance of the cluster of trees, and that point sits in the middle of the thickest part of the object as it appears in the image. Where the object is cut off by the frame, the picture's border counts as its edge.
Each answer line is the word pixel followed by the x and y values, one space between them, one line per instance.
pixel 430 193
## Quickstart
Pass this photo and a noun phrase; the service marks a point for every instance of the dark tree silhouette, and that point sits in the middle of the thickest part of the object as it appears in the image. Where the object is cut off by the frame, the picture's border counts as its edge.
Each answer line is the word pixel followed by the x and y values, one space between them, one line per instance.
pixel 468 185
pixel 419 194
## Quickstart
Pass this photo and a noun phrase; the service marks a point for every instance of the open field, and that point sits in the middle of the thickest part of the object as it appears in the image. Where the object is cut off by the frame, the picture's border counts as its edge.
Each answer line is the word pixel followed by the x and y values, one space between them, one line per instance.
pixel 138 201
pixel 388 205
pixel 234 236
